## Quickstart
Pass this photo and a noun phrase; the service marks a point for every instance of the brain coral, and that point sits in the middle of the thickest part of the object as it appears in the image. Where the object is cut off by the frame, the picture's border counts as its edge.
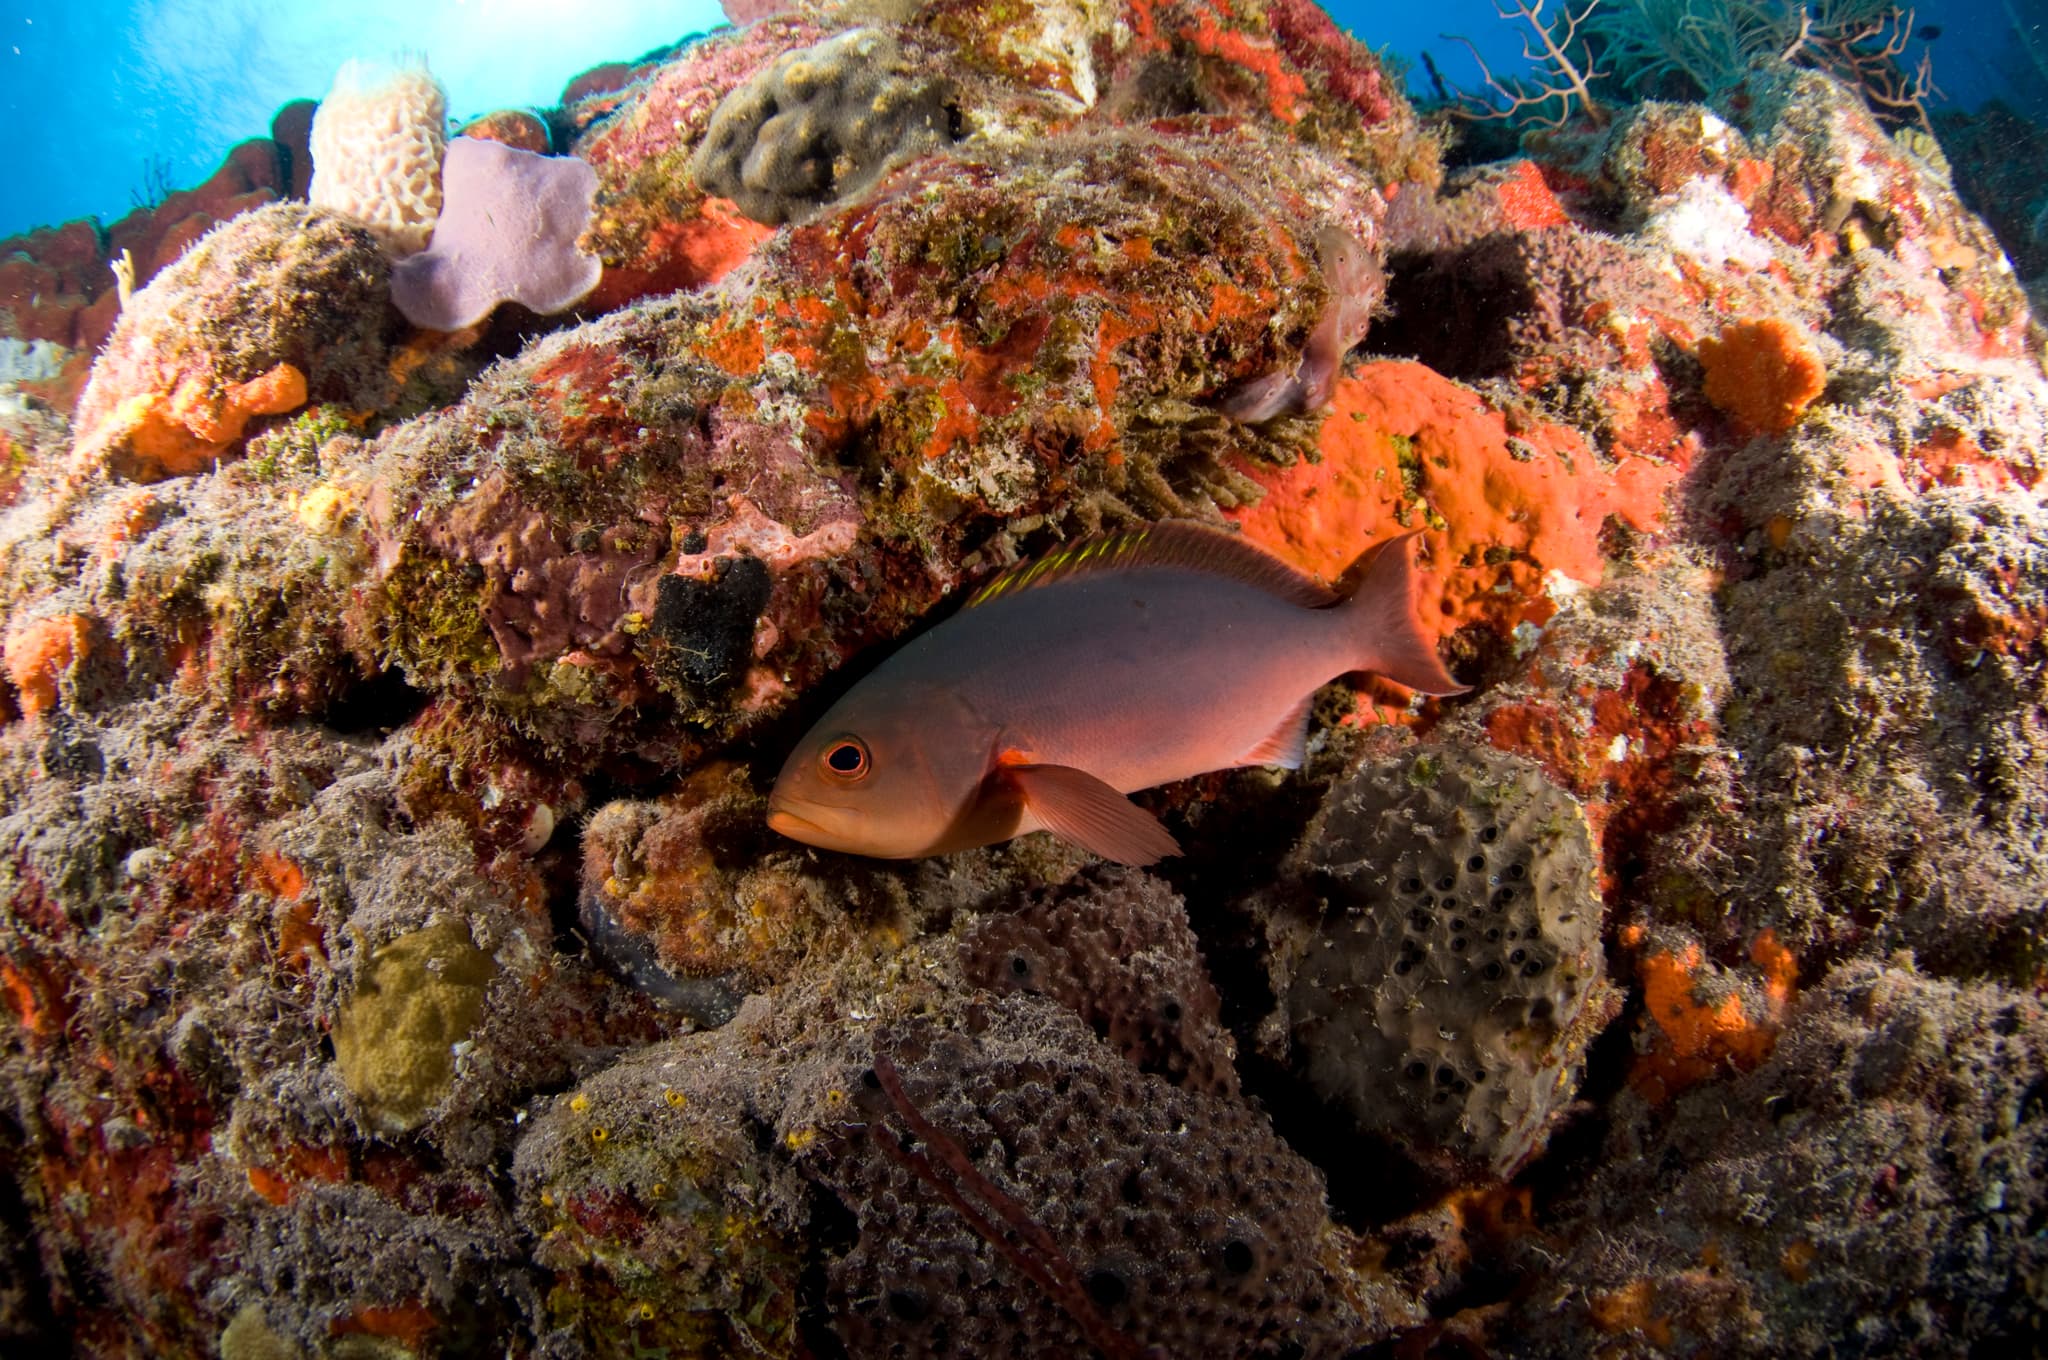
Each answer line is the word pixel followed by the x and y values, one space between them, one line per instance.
pixel 377 143
pixel 820 124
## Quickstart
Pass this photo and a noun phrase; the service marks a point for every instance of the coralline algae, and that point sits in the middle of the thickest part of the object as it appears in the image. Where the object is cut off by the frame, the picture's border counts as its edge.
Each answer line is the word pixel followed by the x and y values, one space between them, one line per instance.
pixel 393 958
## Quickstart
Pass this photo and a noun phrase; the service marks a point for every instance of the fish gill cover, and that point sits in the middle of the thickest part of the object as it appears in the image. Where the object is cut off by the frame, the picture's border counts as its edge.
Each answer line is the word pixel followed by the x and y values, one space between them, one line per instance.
pixel 395 960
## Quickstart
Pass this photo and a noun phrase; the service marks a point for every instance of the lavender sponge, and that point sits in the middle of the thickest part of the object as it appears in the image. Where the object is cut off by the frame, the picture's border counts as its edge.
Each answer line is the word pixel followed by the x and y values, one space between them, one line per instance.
pixel 507 233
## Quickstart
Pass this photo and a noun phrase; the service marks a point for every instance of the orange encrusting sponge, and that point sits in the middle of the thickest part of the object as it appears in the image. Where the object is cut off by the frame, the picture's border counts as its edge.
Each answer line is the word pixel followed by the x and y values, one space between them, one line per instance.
pixel 1405 447
pixel 1764 373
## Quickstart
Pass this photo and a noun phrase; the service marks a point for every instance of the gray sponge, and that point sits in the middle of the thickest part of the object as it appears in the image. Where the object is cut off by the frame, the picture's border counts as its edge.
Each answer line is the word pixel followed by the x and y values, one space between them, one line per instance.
pixel 1448 995
pixel 819 125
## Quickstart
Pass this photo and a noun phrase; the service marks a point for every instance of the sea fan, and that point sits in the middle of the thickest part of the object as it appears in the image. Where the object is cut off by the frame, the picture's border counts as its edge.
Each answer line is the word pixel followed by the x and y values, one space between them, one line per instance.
pixel 1701 47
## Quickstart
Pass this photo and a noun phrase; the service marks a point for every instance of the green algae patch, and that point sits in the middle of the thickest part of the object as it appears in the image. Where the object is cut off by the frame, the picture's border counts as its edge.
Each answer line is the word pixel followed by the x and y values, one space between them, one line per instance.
pixel 395 1038
pixel 248 1336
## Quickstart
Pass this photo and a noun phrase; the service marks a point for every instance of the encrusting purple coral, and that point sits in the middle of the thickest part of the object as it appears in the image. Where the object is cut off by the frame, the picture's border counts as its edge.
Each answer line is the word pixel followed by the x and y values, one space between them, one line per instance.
pixel 507 233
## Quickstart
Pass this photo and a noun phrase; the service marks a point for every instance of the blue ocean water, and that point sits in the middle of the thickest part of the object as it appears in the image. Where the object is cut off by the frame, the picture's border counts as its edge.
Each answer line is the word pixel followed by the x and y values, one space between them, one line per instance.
pixel 113 103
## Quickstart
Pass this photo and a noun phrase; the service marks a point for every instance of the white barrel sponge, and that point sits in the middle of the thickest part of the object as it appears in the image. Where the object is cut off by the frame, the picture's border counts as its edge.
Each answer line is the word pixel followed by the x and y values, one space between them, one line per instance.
pixel 377 144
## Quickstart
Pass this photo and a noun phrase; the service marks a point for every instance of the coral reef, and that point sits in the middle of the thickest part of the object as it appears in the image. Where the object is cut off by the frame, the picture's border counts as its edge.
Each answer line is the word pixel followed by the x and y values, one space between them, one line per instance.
pixel 1899 1112
pixel 57 284
pixel 517 128
pixel 394 959
pixel 659 1220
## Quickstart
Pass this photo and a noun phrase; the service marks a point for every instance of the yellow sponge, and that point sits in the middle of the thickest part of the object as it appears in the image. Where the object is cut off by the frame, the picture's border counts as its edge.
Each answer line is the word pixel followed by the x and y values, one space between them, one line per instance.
pixel 395 1037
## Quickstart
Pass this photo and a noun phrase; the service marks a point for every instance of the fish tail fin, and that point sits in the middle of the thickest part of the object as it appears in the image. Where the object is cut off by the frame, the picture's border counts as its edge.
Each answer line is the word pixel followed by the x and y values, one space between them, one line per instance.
pixel 1380 615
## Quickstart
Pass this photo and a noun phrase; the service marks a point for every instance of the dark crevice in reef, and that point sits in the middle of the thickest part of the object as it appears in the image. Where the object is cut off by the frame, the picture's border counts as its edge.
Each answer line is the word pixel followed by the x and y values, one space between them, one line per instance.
pixel 1453 309
pixel 382 703
pixel 1573 1149
pixel 834 1231
pixel 564 882
pixel 27 1326
pixel 1364 1194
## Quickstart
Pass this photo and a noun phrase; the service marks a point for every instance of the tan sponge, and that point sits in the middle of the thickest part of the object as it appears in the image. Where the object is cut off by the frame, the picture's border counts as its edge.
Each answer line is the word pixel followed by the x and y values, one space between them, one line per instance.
pixel 377 144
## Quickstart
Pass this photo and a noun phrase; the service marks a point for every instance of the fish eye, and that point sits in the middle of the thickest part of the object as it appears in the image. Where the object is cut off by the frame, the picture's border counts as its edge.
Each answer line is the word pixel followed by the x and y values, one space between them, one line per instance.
pixel 847 758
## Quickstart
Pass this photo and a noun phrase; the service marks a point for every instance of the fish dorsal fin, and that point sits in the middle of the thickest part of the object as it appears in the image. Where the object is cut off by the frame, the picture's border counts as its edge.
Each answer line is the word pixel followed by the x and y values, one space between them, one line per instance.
pixel 1171 543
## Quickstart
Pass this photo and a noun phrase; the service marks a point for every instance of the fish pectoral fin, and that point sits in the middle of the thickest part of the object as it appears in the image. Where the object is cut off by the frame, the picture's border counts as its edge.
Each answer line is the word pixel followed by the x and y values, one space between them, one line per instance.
pixel 1076 806
pixel 1287 744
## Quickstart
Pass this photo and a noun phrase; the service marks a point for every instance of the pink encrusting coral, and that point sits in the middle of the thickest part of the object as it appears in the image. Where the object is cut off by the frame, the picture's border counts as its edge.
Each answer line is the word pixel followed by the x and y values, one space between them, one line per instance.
pixel 395 953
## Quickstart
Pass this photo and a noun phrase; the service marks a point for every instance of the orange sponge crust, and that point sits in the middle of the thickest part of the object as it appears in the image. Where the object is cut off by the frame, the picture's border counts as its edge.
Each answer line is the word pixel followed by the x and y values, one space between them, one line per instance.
pixel 1764 373
pixel 1631 1308
pixel 180 434
pixel 1526 200
pixel 1404 447
pixel 39 653
pixel 1702 1020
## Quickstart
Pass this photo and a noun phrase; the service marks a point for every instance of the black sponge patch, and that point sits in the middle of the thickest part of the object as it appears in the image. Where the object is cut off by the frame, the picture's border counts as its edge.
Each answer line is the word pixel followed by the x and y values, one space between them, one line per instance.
pixel 702 637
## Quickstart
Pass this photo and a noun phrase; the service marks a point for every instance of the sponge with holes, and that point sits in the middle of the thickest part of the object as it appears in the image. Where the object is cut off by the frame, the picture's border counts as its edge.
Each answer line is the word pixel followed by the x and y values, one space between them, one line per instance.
pixel 1447 995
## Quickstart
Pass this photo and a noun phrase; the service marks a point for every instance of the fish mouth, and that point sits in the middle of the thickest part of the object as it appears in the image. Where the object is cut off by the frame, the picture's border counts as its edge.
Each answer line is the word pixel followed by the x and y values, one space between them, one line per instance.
pixel 810 831
pixel 793 826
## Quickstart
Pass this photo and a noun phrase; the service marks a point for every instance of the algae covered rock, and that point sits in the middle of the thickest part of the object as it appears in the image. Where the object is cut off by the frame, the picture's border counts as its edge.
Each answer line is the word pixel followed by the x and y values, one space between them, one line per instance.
pixel 664 1219
pixel 1446 996
pixel 271 309
pixel 1880 1195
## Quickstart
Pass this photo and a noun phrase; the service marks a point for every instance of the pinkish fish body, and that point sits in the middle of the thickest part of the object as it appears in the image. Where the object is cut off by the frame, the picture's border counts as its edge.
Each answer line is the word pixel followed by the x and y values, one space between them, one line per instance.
pixel 1113 665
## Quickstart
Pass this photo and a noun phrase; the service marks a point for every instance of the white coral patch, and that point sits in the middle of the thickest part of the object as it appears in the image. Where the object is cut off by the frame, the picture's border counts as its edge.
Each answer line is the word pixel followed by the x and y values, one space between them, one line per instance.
pixel 1709 224
pixel 1062 38
pixel 30 360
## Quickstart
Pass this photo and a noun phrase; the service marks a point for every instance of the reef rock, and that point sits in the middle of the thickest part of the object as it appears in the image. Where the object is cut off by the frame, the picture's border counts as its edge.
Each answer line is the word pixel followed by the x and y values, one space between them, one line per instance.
pixel 269 310
pixel 393 956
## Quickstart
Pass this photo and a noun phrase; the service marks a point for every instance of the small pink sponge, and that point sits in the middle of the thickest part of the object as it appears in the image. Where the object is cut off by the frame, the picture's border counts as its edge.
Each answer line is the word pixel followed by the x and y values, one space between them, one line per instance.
pixel 507 233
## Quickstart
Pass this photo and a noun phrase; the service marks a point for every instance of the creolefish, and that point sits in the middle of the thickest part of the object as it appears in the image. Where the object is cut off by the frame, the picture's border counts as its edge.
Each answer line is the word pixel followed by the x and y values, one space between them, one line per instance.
pixel 1111 665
